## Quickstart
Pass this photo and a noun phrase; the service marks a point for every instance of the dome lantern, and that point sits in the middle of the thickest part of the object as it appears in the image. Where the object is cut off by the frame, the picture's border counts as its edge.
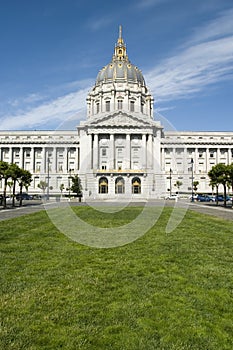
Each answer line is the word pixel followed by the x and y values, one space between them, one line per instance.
pixel 120 69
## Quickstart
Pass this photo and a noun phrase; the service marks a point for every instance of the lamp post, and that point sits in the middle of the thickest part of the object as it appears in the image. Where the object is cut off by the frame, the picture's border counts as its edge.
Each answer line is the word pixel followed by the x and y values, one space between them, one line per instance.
pixel 192 178
pixel 69 182
pixel 170 181
pixel 48 162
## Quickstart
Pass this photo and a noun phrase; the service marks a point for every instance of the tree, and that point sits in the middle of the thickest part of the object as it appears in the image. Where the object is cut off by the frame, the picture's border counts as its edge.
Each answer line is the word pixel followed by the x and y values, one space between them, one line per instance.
pixel 4 175
pixel 10 184
pixel 62 187
pixel 15 174
pixel 24 180
pixel 219 175
pixel 76 186
pixel 42 185
pixel 178 184
pixel 195 185
pixel 230 176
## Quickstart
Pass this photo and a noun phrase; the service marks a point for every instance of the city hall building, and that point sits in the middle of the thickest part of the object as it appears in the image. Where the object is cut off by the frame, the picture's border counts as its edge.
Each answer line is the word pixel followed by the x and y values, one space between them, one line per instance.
pixel 119 151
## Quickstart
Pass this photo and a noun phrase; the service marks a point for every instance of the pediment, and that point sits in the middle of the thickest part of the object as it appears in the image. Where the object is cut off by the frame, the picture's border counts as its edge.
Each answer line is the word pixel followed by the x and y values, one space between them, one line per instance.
pixel 120 120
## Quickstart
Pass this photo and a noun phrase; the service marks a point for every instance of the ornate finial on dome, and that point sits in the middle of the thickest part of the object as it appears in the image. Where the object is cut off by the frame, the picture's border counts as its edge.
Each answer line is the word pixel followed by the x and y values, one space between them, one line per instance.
pixel 120 40
pixel 120 49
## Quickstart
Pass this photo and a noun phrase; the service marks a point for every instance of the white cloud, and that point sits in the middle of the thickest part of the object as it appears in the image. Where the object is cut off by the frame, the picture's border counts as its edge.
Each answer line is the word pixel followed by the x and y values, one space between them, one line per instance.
pixel 96 24
pixel 201 62
pixel 217 28
pixel 57 111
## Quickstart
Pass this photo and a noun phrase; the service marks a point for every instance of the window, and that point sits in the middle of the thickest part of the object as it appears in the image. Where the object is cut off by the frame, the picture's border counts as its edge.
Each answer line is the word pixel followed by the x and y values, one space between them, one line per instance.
pixel 97 107
pixel 60 166
pixel 60 153
pixel 38 166
pixel 131 106
pixel 38 153
pixel 103 185
pixel 120 185
pixel 104 152
pixel 135 152
pixel 136 185
pixel 107 106
pixel 27 153
pixel 17 154
pixel 142 107
pixel 119 165
pixel 119 151
pixel 27 166
pixel 72 152
pixel 120 104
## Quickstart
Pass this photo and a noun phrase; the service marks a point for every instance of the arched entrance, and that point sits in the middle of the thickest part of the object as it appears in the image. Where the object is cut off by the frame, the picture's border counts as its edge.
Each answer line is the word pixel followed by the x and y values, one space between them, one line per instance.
pixel 103 185
pixel 120 185
pixel 136 185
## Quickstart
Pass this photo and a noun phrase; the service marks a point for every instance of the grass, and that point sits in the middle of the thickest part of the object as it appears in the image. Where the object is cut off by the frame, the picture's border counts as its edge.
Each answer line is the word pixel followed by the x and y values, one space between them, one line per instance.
pixel 162 292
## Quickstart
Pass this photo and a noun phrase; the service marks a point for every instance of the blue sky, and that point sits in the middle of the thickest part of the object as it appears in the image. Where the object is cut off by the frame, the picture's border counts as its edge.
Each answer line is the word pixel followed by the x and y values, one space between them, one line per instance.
pixel 51 52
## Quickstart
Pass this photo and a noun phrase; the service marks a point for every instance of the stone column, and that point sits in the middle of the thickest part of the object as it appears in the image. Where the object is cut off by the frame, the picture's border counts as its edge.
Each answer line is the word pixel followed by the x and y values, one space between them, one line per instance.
pixel 77 158
pixel 96 152
pixel 66 150
pixel 21 157
pixel 144 151
pixel 33 159
pixel 111 152
pixel 10 154
pixel 218 156
pixel 150 152
pixel 195 165
pixel 162 158
pixel 229 156
pixel 207 159
pixel 127 153
pixel 54 160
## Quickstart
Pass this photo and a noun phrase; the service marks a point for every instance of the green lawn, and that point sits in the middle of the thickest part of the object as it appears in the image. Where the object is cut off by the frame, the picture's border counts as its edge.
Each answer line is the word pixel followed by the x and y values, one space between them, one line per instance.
pixel 162 292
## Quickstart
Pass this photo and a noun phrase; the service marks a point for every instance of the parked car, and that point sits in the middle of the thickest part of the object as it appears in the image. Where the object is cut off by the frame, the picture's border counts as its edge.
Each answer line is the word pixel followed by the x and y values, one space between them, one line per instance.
pixel 203 198
pixel 36 196
pixel 23 196
pixel 172 197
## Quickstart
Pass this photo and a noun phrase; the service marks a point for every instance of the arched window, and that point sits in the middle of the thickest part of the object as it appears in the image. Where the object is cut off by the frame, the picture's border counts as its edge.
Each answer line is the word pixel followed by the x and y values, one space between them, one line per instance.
pixel 103 185
pixel 120 185
pixel 119 104
pixel 136 185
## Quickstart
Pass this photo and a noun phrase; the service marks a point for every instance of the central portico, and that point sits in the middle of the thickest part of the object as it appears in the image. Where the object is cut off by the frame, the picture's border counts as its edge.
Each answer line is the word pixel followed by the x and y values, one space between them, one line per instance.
pixel 120 138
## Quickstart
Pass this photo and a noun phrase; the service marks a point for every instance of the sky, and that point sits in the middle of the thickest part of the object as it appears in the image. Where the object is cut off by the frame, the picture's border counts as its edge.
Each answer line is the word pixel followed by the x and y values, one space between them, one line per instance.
pixel 51 52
